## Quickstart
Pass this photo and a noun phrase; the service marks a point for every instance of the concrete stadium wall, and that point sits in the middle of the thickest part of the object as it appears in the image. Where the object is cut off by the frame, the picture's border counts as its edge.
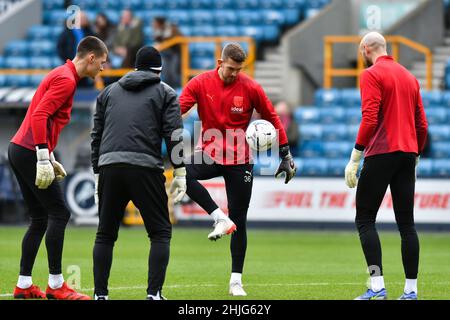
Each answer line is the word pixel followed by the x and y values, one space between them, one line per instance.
pixel 424 25
pixel 15 23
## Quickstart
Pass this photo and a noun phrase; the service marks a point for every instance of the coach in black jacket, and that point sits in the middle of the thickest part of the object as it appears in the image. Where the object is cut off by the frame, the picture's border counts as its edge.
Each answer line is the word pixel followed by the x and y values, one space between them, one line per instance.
pixel 132 117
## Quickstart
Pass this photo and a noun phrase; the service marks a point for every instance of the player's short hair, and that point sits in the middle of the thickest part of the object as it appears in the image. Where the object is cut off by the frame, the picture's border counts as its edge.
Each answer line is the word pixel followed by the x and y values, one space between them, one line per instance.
pixel 235 52
pixel 91 44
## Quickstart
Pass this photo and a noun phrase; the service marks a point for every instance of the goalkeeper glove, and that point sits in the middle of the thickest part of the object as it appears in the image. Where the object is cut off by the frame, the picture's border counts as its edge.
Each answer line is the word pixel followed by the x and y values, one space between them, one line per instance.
pixel 352 168
pixel 45 174
pixel 178 187
pixel 60 173
pixel 287 165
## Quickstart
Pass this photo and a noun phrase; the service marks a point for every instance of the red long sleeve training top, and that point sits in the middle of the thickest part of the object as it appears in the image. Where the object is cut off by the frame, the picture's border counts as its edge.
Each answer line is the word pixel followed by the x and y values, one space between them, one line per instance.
pixel 224 107
pixel 393 117
pixel 49 110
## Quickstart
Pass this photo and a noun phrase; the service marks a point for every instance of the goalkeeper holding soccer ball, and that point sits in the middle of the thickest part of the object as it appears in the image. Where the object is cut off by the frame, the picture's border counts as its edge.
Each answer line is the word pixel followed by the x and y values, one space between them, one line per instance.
pixel 132 117
pixel 392 135
pixel 225 100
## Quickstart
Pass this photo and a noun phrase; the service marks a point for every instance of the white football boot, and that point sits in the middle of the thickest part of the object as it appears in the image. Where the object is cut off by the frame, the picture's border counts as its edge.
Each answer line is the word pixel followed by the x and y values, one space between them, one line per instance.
pixel 221 228
pixel 236 289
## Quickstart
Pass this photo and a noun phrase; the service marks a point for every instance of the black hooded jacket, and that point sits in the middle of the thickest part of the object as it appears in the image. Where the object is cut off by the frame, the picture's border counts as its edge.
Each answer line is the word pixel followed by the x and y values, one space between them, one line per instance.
pixel 132 117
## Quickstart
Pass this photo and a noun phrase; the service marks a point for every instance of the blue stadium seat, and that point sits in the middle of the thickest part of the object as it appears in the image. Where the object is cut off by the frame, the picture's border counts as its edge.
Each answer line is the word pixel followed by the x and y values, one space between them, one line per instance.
pixel 134 4
pixel 440 150
pixel 56 61
pixel 273 17
pixel 52 4
pixel 294 4
pixel 352 132
pixel 202 63
pixel 425 168
pixel 147 16
pixel 332 115
pixel 206 30
pixel 179 17
pixel 335 132
pixel 249 17
pixel 55 17
pixel 2 62
pixel 445 99
pixel 223 4
pixel 154 4
pixel 441 168
pixel 201 17
pixel 85 4
pixel 102 5
pixel 227 31
pixel 42 48
pixel 2 80
pixel 185 30
pixel 248 4
pixel 311 12
pixel 271 33
pixel 431 98
pixel 255 32
pixel 330 97
pixel 311 149
pixel 225 18
pixel 40 63
pixel 177 4
pixel 272 4
pixel 39 32
pixel 148 33
pixel 17 48
pixel 337 149
pixel 201 4
pixel 336 167
pixel 353 115
pixel 116 61
pixel 202 49
pixel 315 167
pixel 436 115
pixel 310 131
pixel 17 80
pixel 439 133
pixel 307 115
pixel 351 98
pixel 16 63
pixel 36 79
pixel 113 16
pixel 56 31
pixel 292 16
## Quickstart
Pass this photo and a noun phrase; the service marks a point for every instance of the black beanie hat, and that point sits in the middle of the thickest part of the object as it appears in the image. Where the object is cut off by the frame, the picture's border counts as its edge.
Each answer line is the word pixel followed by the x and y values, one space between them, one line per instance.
pixel 148 58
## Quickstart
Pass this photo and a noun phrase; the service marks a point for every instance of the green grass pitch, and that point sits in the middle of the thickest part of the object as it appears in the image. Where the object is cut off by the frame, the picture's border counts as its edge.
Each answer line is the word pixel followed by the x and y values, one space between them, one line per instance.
pixel 280 264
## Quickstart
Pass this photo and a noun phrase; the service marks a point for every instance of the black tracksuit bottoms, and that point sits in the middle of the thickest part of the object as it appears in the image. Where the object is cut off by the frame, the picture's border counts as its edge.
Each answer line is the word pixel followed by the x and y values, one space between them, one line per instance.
pixel 396 170
pixel 47 209
pixel 118 184
pixel 238 185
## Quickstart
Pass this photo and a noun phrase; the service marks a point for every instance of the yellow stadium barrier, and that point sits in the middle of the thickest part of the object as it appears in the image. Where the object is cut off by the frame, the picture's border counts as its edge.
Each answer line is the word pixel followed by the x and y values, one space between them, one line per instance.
pixel 395 41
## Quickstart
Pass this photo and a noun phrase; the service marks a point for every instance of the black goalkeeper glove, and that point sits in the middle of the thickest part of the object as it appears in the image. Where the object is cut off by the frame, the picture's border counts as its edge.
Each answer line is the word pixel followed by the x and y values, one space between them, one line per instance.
pixel 287 165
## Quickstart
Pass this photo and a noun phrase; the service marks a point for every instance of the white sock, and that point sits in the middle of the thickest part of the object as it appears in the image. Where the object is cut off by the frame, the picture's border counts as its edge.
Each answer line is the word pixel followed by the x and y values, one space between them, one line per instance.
pixel 236 277
pixel 376 283
pixel 411 285
pixel 55 281
pixel 24 282
pixel 218 214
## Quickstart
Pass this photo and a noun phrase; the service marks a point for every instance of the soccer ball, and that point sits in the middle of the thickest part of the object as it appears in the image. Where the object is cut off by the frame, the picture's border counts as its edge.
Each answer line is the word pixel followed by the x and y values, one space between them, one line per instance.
pixel 260 135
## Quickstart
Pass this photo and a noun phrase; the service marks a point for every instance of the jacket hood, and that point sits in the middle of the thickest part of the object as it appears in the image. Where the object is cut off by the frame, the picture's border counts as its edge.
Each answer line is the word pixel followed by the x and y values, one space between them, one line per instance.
pixel 138 80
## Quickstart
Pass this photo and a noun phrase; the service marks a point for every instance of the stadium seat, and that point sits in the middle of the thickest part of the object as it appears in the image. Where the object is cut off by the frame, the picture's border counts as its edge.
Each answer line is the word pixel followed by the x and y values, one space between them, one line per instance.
pixel 311 149
pixel 202 63
pixel 425 168
pixel 271 33
pixel 255 32
pixel 445 99
pixel 436 115
pixel 147 16
pixel 154 5
pixel 2 80
pixel 224 4
pixel 16 63
pixel 248 4
pixel 337 149
pixel 334 132
pixel 55 17
pixel 332 115
pixel 17 48
pixel 227 31
pixel 431 98
pixel 39 32
pixel 56 61
pixel 440 150
pixel 186 30
pixel 85 4
pixel 292 16
pixel 441 168
pixel 294 4
pixel 42 48
pixel 52 4
pixel 102 5
pixel 307 115
pixel 202 49
pixel 439 133
pixel 273 17
pixel 336 167
pixel 351 98
pixel 113 16
pixel 201 17
pixel 249 17
pixel 353 115
pixel 2 62
pixel 178 4
pixel 206 30
pixel 272 4
pixel 180 17
pixel 17 80
pixel 36 79
pixel 311 12
pixel 315 167
pixel 40 62
pixel 201 4
pixel 116 61
pixel 327 97
pixel 225 18
pixel 352 132
pixel 310 131
pixel 135 4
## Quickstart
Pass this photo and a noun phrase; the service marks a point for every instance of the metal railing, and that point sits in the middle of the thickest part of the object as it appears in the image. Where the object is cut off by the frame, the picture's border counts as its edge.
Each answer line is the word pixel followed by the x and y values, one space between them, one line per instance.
pixel 186 71
pixel 395 41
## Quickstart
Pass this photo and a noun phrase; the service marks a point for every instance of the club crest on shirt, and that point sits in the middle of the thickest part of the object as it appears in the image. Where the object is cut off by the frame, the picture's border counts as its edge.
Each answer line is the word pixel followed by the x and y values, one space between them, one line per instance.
pixel 238 104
